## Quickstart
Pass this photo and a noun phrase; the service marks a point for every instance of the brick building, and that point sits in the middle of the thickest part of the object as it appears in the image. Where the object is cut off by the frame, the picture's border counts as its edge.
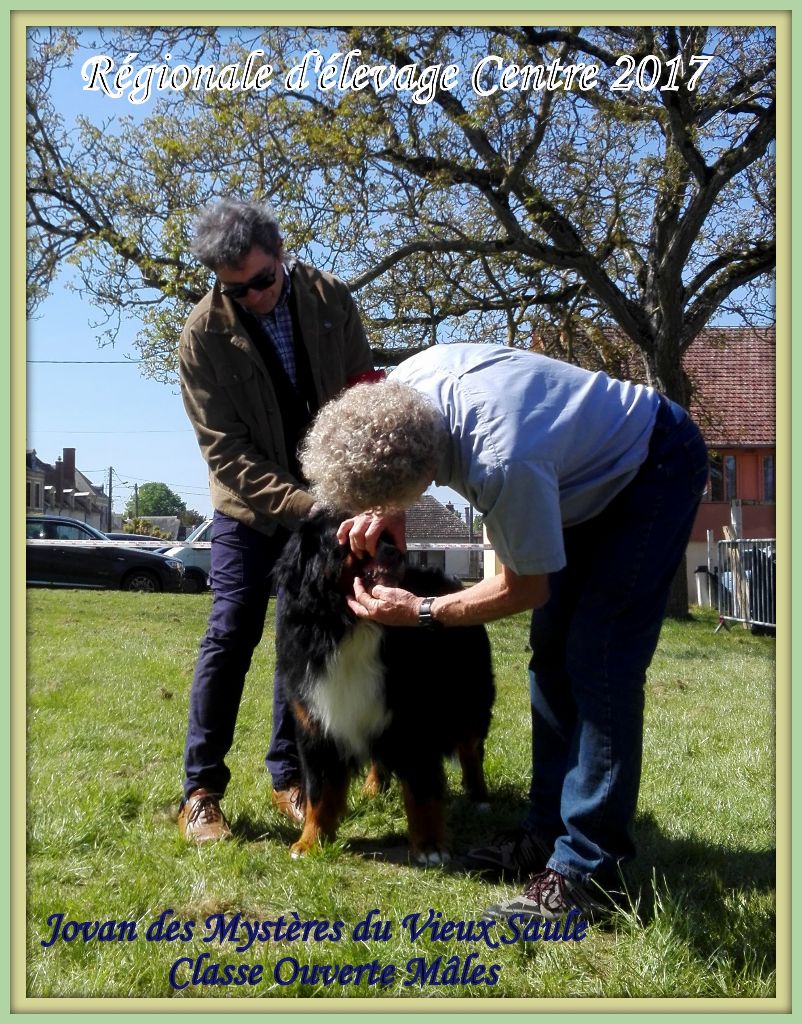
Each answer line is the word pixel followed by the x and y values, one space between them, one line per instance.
pixel 733 372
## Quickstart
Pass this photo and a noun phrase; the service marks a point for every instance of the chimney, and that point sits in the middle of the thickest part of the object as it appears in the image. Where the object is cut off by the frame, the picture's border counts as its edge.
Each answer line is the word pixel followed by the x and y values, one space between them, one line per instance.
pixel 69 468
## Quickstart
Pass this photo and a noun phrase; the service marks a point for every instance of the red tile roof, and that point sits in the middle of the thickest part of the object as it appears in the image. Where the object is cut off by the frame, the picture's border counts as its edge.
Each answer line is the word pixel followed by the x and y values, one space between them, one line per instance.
pixel 428 521
pixel 732 371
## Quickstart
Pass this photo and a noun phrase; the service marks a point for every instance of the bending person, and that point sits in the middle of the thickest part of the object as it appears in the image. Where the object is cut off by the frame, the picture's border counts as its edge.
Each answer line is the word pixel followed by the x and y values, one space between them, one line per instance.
pixel 588 487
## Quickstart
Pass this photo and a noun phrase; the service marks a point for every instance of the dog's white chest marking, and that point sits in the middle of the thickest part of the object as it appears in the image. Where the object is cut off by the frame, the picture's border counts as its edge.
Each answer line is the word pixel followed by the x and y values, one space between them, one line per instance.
pixel 349 700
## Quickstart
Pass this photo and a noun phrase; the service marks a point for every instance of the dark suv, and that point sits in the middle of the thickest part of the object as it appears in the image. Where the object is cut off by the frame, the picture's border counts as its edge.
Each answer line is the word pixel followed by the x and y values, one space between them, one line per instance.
pixel 68 553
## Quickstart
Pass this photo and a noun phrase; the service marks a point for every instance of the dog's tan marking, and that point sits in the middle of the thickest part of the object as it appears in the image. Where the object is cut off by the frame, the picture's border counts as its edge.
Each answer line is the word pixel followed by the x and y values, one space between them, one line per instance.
pixel 377 780
pixel 322 818
pixel 308 724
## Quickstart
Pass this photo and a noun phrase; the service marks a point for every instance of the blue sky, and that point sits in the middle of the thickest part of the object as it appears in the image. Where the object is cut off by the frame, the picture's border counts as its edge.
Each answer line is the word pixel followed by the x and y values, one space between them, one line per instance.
pixel 107 411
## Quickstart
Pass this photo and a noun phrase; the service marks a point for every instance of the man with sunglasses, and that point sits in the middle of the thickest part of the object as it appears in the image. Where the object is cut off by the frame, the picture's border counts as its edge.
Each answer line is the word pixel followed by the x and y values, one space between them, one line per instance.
pixel 271 341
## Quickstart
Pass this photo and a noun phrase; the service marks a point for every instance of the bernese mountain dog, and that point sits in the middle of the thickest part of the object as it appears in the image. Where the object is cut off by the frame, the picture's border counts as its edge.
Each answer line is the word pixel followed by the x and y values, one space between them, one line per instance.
pixel 401 697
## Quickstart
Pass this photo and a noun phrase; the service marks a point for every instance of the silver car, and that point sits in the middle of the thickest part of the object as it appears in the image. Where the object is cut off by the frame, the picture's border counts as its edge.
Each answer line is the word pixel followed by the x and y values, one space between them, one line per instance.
pixel 196 554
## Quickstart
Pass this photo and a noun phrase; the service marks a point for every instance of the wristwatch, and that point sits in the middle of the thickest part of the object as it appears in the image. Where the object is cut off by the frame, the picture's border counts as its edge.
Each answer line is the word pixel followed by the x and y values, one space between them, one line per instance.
pixel 425 617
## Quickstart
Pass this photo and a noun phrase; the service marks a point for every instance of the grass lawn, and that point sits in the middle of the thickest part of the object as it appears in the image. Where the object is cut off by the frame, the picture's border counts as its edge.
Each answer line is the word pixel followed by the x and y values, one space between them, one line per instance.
pixel 108 684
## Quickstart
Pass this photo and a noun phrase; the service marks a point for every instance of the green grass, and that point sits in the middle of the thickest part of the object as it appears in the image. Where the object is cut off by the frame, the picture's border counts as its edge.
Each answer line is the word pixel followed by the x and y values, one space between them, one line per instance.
pixel 108 683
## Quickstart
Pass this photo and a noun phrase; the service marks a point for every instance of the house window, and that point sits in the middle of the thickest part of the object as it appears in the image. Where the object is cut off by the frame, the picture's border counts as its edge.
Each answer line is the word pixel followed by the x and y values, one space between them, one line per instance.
pixel 28 494
pixel 37 493
pixel 722 478
pixel 768 477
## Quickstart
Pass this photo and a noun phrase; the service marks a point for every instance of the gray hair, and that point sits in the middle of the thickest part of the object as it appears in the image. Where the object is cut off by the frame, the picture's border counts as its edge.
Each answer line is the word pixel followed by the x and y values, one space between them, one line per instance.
pixel 225 233
pixel 375 447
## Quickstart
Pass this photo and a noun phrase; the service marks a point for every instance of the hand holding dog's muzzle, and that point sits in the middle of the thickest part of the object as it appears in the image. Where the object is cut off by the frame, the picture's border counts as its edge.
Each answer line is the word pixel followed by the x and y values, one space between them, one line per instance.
pixel 390 606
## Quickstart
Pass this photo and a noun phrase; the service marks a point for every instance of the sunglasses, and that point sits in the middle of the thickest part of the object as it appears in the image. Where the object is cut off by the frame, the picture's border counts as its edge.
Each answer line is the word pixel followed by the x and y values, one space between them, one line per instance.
pixel 259 283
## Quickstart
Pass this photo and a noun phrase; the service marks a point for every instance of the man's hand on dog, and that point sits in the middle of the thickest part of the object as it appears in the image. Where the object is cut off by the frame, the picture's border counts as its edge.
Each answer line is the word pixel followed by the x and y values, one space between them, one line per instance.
pixel 390 606
pixel 362 532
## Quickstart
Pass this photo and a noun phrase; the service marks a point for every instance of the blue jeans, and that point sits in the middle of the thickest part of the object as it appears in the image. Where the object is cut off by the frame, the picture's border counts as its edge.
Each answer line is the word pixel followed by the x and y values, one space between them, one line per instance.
pixel 591 645
pixel 241 562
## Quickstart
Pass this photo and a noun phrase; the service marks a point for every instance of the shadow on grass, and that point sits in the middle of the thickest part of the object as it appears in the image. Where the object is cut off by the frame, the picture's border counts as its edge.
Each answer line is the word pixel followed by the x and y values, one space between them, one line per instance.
pixel 691 862
pixel 391 848
pixel 258 830
pixel 719 898
pixel 466 827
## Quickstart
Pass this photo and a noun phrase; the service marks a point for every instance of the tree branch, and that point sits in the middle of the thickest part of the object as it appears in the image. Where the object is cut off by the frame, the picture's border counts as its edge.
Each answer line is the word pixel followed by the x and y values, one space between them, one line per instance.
pixel 760 261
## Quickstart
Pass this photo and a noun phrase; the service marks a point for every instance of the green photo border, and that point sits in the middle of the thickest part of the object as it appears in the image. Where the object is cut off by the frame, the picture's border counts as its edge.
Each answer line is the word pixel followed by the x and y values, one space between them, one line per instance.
pixel 12 593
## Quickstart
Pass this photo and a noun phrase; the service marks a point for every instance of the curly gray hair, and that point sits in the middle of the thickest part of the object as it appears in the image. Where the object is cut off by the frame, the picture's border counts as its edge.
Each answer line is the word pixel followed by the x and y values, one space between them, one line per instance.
pixel 375 447
pixel 225 233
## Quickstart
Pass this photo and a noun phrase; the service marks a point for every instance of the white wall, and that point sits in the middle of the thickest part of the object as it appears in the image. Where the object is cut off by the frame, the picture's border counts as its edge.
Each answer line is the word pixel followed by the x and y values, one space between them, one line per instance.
pixel 457 562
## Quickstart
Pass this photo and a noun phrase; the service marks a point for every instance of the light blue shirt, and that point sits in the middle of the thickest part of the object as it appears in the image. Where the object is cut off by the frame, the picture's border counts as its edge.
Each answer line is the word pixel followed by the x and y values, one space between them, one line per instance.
pixel 536 444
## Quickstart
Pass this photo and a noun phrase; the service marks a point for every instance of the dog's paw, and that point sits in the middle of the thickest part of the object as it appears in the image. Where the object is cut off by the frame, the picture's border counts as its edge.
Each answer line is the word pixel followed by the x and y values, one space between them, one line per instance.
pixel 431 858
pixel 299 849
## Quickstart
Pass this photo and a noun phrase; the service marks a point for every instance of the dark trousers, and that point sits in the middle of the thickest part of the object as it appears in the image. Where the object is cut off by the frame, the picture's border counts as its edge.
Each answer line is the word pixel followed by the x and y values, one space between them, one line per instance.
pixel 591 645
pixel 241 562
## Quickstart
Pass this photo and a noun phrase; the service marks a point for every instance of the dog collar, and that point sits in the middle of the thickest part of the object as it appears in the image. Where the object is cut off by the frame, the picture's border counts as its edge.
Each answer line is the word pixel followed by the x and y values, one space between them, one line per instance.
pixel 425 617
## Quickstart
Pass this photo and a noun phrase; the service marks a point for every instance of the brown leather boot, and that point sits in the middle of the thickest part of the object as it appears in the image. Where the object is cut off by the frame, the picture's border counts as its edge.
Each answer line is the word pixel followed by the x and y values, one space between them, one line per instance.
pixel 291 802
pixel 200 818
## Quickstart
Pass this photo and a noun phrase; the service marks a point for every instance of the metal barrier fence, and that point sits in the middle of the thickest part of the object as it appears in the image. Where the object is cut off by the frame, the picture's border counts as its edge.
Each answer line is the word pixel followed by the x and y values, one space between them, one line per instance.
pixel 745 581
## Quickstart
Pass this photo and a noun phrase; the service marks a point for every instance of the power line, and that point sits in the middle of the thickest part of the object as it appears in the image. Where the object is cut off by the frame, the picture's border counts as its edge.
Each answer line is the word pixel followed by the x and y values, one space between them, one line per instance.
pixel 150 480
pixel 67 430
pixel 84 362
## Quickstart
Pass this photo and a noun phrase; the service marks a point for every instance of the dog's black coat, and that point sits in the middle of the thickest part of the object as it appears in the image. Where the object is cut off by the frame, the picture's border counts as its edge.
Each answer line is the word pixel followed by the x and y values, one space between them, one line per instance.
pixel 437 683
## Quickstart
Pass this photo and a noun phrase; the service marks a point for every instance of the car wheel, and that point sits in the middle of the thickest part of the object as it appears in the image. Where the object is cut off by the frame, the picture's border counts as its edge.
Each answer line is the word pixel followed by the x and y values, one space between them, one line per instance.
pixel 142 579
pixel 194 582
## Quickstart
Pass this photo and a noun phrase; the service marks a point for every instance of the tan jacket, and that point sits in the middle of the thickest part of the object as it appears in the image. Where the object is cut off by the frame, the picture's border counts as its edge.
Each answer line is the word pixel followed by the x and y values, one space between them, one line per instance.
pixel 232 405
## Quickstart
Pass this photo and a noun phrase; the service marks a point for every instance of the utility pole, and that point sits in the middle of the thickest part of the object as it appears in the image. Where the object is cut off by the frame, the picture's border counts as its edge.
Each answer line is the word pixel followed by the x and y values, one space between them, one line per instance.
pixel 136 501
pixel 111 470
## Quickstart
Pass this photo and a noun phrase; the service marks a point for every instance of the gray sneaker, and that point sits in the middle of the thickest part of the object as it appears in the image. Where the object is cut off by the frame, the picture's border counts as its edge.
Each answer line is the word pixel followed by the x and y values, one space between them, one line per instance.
pixel 514 854
pixel 551 896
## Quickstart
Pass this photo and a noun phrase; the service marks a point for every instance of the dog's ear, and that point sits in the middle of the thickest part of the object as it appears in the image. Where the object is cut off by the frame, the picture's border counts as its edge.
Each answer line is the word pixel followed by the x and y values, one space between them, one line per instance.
pixel 319 555
pixel 301 549
pixel 313 562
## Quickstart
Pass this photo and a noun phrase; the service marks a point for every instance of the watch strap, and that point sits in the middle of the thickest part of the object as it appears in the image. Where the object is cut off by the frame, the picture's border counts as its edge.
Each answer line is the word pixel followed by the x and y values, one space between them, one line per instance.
pixel 425 617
